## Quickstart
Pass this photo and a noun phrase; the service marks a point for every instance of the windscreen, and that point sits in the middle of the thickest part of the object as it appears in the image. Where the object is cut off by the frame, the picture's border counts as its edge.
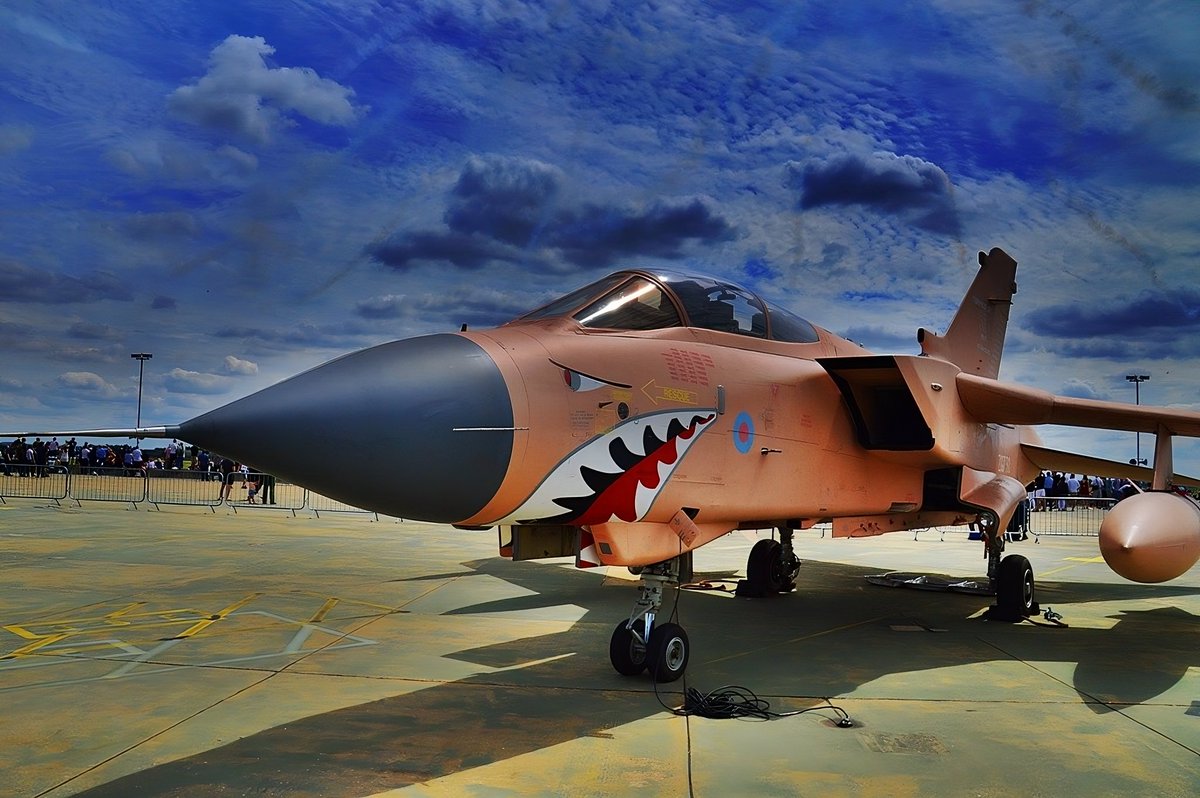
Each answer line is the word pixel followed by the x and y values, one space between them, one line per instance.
pixel 637 305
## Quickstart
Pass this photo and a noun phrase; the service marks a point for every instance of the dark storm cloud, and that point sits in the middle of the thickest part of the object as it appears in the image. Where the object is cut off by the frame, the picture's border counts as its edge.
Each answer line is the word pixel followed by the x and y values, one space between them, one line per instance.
pixel 163 303
pixel 507 199
pixel 507 209
pixel 597 236
pixel 466 251
pixel 19 283
pixel 1137 350
pixel 1157 314
pixel 897 185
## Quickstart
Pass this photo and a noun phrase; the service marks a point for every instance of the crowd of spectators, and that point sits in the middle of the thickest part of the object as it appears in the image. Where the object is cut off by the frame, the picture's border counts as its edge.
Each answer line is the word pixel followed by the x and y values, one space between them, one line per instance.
pixel 1056 490
pixel 36 459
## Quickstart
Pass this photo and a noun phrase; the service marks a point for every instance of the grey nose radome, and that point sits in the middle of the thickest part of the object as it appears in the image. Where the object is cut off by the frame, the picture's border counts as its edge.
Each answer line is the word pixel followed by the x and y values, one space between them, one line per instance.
pixel 419 429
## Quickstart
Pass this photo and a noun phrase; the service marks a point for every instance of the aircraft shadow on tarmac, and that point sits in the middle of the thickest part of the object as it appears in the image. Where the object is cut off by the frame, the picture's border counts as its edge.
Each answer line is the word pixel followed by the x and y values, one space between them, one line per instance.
pixel 833 635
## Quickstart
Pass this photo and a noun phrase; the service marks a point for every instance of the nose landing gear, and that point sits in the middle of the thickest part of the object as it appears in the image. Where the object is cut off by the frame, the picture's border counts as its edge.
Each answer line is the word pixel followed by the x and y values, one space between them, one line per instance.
pixel 639 643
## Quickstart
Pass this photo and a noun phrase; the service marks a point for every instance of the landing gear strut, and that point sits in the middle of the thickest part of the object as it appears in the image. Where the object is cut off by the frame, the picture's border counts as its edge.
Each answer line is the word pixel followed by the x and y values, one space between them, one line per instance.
pixel 640 643
pixel 771 567
pixel 1011 577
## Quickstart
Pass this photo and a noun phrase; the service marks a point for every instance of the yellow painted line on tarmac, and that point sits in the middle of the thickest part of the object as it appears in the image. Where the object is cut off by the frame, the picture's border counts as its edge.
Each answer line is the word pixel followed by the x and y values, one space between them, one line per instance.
pixel 355 602
pixel 1074 562
pixel 210 620
pixel 34 646
pixel 329 604
pixel 114 618
pixel 21 631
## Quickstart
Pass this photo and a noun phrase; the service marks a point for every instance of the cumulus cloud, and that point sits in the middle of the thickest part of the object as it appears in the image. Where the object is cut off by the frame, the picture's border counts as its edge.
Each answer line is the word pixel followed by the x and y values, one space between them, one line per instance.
pixel 241 94
pixel 20 283
pixel 86 382
pixel 179 380
pixel 1081 389
pixel 235 365
pixel 899 185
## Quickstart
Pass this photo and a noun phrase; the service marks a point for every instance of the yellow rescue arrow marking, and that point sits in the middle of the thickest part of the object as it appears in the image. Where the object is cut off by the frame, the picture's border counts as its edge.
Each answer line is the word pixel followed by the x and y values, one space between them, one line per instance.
pixel 654 392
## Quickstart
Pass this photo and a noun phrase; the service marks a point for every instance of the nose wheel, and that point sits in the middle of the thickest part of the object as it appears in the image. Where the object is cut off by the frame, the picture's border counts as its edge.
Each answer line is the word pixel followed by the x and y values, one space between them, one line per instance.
pixel 639 643
pixel 627 650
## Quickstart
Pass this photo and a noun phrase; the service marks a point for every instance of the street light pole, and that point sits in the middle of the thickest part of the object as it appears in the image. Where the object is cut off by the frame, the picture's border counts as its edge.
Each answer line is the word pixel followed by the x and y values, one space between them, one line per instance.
pixel 141 358
pixel 1137 380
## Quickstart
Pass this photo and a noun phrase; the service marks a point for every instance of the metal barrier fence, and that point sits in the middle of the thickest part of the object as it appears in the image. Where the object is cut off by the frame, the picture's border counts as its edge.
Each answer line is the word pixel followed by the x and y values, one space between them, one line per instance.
pixel 107 485
pixel 183 487
pixel 273 494
pixel 1055 515
pixel 159 486
pixel 323 504
pixel 33 482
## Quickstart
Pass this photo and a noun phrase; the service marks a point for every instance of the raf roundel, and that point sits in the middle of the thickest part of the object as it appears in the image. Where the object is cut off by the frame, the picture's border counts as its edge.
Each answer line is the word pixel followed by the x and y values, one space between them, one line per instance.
pixel 743 432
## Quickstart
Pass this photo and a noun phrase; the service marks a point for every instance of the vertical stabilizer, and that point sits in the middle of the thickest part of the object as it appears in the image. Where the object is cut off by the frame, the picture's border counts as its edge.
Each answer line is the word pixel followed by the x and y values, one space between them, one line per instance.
pixel 975 340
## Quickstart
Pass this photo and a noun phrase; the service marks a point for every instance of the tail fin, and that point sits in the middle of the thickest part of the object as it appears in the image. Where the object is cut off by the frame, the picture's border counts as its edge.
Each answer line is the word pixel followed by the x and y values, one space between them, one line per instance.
pixel 975 340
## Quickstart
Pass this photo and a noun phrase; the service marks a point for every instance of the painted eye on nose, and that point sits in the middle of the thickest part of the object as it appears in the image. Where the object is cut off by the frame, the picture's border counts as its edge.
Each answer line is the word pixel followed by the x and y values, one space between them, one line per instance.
pixel 582 382
pixel 578 381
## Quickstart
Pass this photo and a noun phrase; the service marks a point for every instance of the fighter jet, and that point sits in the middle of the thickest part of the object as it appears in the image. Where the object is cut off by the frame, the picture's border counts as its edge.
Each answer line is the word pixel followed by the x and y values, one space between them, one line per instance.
pixel 642 416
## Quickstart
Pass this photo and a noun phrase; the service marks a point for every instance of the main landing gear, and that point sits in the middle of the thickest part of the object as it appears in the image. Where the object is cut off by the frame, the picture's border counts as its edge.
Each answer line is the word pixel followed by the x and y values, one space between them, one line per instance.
pixel 1011 577
pixel 640 644
pixel 771 568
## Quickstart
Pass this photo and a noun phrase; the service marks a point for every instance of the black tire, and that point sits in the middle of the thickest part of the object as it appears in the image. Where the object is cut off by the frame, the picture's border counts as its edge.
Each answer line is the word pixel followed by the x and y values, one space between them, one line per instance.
pixel 1015 586
pixel 668 652
pixel 626 652
pixel 764 569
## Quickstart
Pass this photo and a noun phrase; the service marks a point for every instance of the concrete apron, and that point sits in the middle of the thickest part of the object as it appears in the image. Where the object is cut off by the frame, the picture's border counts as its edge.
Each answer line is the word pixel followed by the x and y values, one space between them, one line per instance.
pixel 185 653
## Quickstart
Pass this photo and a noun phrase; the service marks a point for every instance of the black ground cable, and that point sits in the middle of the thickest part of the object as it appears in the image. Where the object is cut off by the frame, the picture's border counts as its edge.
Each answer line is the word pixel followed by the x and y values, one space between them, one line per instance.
pixel 733 701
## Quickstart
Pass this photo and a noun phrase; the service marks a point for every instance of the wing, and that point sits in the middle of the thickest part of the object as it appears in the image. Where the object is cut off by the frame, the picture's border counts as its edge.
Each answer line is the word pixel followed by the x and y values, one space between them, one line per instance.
pixel 1003 403
pixel 1057 460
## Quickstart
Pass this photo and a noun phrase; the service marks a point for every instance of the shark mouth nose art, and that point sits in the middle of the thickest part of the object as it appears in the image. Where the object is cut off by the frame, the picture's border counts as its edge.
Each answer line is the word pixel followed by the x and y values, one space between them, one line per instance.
pixel 618 474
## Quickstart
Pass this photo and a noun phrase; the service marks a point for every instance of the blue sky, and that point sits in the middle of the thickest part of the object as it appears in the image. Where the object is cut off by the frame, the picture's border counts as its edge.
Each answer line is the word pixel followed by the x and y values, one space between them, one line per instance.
pixel 249 189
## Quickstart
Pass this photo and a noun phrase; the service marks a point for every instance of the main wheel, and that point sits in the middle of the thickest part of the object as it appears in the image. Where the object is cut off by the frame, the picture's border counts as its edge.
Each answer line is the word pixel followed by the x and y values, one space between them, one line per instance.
pixel 1014 586
pixel 765 573
pixel 667 652
pixel 626 652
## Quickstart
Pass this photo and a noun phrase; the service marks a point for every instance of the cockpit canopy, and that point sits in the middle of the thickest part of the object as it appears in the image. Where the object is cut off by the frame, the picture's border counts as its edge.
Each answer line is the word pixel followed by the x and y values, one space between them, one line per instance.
pixel 644 301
